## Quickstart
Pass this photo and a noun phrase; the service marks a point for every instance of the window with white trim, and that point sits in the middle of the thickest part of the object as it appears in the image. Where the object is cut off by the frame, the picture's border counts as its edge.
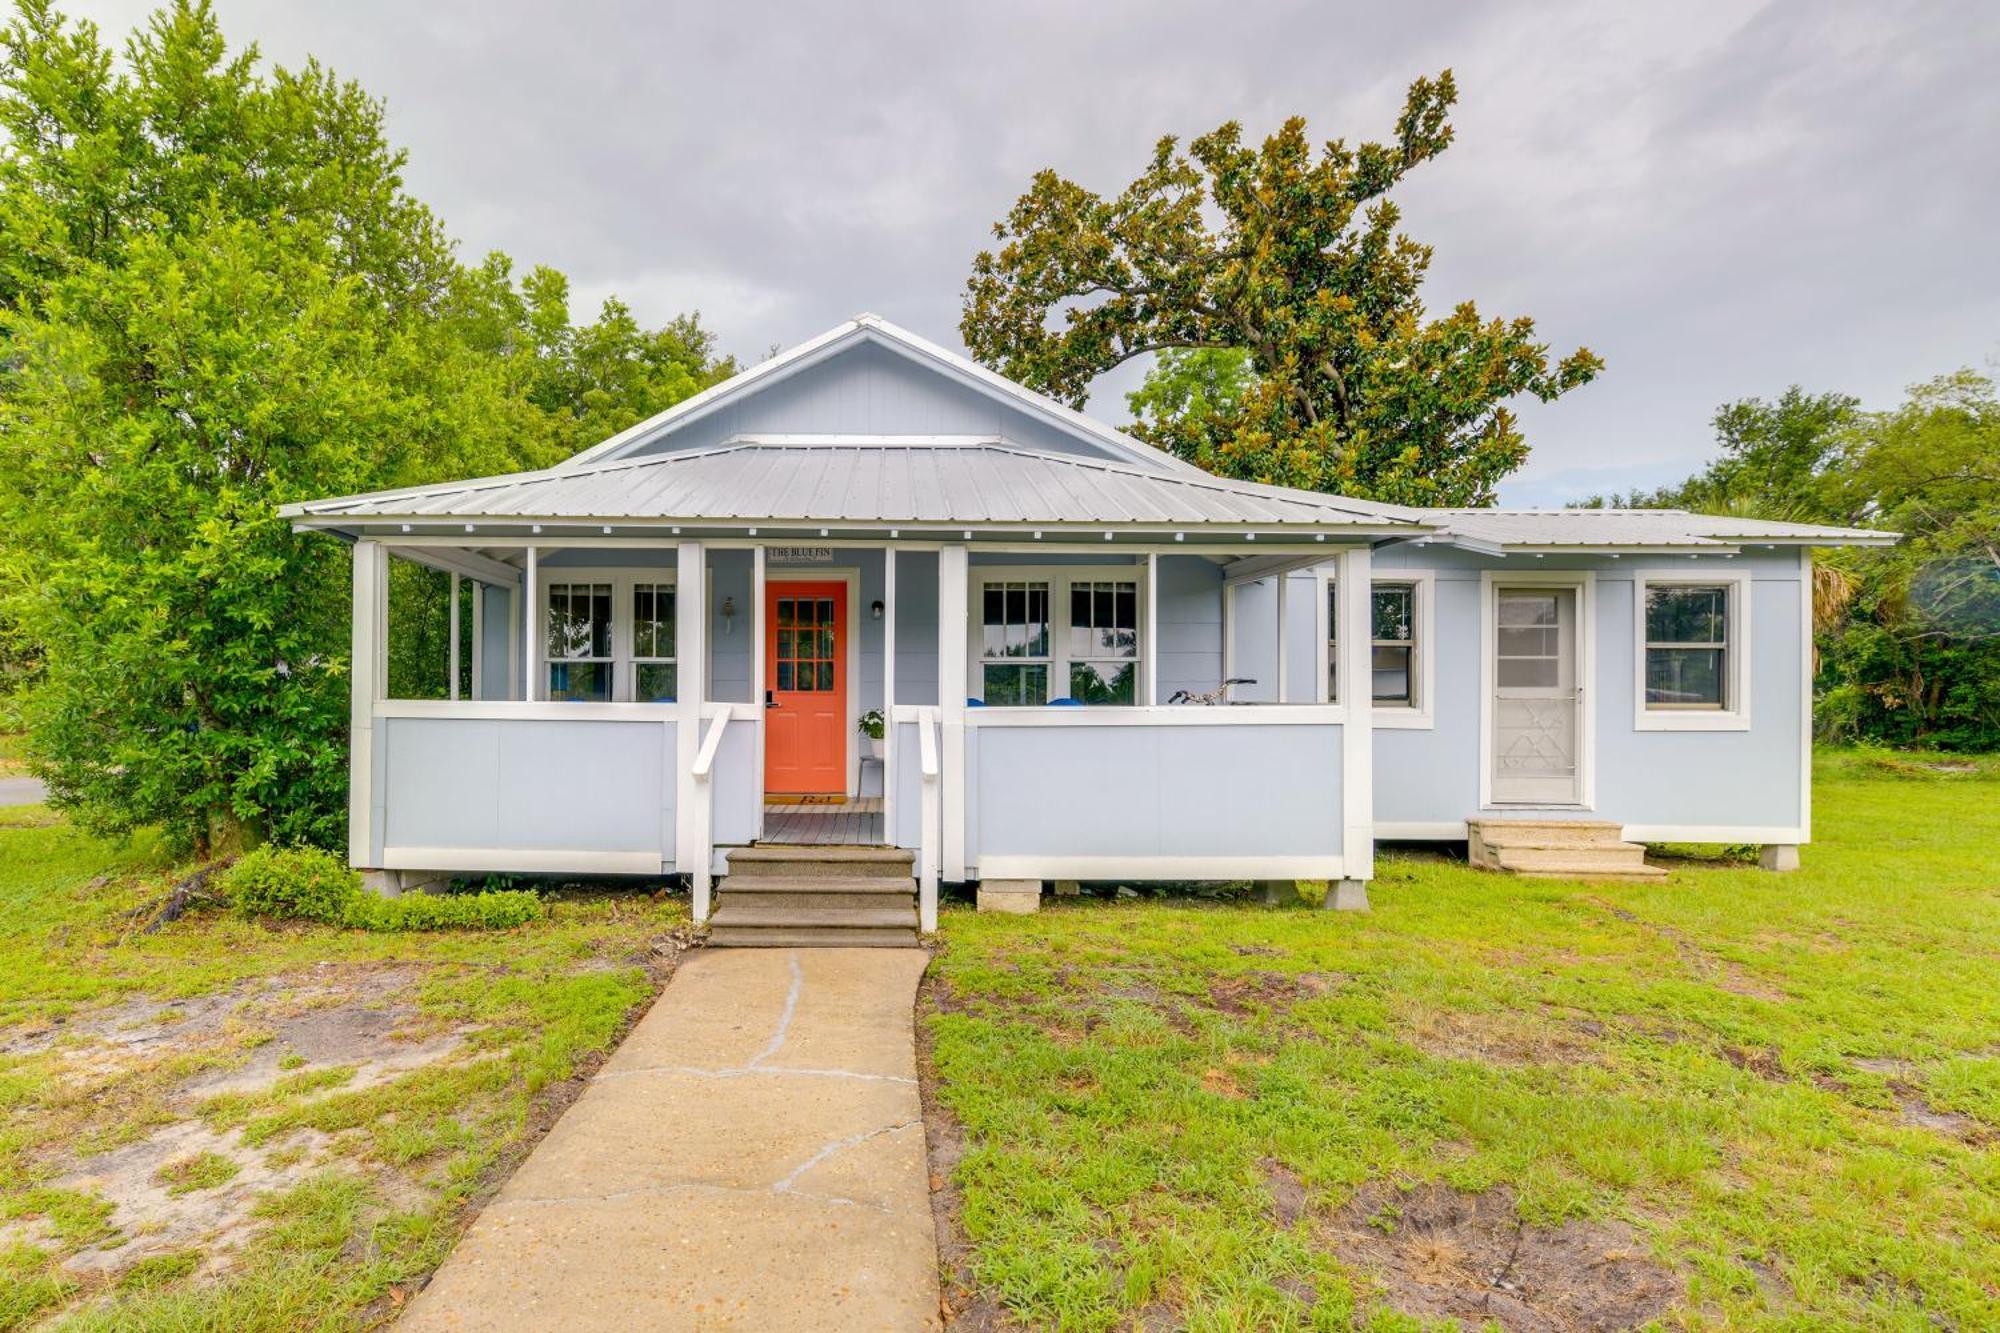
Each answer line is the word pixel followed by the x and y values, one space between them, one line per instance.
pixel 1687 646
pixel 1014 642
pixel 1691 644
pixel 578 644
pixel 655 669
pixel 1395 648
pixel 1051 636
pixel 1104 641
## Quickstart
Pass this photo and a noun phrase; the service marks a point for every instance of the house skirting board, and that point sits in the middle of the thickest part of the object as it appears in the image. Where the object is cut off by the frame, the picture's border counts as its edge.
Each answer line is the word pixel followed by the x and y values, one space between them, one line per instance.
pixel 1455 831
pixel 1158 867
pixel 559 861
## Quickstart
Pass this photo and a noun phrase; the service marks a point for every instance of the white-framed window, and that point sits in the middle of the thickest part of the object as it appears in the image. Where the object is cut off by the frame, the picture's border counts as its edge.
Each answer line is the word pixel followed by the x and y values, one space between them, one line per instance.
pixel 655 668
pixel 1400 668
pixel 1042 636
pixel 608 635
pixel 1691 650
pixel 581 662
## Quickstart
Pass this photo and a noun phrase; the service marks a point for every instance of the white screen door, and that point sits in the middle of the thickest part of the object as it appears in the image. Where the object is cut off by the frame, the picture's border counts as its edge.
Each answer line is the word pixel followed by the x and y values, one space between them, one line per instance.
pixel 1535 697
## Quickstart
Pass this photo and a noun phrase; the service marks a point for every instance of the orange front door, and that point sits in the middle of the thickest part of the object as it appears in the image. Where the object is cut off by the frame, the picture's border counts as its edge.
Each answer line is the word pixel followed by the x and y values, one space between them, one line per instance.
pixel 805 682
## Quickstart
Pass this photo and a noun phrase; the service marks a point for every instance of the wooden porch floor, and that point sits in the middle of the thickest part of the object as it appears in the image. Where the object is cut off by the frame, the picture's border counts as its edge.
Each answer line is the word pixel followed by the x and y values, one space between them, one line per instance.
pixel 855 823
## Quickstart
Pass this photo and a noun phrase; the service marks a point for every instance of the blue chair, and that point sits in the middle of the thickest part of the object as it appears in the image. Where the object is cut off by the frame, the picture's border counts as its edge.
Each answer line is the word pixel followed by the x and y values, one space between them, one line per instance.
pixel 1066 702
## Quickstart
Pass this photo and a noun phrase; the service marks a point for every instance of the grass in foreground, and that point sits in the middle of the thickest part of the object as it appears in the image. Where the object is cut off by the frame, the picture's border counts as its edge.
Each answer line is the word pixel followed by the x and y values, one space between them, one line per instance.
pixel 231 1125
pixel 1730 1099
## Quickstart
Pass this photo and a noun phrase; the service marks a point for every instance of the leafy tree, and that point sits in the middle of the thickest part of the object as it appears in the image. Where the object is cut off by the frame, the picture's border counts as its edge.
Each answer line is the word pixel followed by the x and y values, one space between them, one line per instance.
pixel 1918 658
pixel 1909 636
pixel 1771 456
pixel 1291 258
pixel 215 297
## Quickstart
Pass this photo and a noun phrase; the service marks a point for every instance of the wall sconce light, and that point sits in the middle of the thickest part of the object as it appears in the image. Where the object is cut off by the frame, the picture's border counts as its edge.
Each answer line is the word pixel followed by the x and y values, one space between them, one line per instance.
pixel 875 609
pixel 728 615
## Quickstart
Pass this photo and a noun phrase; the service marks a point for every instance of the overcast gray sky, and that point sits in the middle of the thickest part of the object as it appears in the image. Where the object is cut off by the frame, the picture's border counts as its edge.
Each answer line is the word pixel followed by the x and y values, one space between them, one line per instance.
pixel 1719 198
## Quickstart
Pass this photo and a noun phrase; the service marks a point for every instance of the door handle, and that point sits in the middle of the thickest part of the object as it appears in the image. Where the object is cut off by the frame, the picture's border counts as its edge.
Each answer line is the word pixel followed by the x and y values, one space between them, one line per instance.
pixel 769 702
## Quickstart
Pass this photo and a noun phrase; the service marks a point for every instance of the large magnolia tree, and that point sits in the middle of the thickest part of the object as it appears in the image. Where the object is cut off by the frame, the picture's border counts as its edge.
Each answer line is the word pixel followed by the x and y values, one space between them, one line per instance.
pixel 1288 258
pixel 216 296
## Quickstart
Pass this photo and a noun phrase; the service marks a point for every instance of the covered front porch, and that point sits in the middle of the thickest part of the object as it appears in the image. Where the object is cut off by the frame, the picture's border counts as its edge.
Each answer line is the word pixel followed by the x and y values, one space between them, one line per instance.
pixel 613 702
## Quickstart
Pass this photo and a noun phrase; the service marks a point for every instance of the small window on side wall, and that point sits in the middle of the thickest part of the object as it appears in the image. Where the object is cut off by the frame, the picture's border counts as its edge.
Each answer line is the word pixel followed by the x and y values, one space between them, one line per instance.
pixel 1394 647
pixel 1693 646
pixel 1687 646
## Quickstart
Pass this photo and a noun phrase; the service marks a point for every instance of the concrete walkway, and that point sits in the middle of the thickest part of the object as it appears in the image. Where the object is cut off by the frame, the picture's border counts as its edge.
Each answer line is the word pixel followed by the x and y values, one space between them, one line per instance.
pixel 22 791
pixel 751 1158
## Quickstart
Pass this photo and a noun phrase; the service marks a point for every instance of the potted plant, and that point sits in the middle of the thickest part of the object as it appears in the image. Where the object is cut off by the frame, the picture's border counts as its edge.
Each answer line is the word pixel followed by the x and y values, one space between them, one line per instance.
pixel 873 725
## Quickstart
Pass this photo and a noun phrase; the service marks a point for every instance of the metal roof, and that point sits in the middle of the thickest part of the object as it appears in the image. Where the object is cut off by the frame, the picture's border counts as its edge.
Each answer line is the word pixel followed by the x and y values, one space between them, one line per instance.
pixel 853 481
pixel 1615 529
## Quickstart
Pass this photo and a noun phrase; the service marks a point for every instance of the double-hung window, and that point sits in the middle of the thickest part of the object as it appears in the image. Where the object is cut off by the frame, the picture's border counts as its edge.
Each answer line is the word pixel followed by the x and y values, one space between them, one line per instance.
pixel 579 647
pixel 1399 619
pixel 1055 636
pixel 1392 650
pixel 1693 652
pixel 1014 642
pixel 1104 641
pixel 655 670
pixel 608 635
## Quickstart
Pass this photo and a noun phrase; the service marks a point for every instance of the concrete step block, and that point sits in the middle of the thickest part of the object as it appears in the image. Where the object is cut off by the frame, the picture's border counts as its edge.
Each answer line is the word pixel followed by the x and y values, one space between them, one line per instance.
pixel 738 937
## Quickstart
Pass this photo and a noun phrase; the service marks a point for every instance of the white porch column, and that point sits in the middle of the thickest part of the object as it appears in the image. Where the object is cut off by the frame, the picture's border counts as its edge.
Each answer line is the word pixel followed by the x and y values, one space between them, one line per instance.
pixel 1284 667
pixel 1149 648
pixel 452 667
pixel 478 639
pixel 528 589
pixel 370 613
pixel 953 569
pixel 758 681
pixel 691 827
pixel 1357 733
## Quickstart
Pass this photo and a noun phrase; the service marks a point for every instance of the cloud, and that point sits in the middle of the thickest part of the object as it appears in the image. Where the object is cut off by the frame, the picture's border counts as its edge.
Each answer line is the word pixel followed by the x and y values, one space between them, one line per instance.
pixel 1720 197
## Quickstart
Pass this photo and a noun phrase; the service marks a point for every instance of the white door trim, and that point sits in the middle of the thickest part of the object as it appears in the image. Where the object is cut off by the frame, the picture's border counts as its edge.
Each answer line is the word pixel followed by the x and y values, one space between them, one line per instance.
pixel 851 576
pixel 1584 581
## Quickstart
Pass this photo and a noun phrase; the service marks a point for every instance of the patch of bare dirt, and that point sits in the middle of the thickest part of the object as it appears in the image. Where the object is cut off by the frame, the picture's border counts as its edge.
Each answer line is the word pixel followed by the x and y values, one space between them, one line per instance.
pixel 1248 993
pixel 1289 1199
pixel 1722 973
pixel 1439 1253
pixel 963 1306
pixel 1504 1038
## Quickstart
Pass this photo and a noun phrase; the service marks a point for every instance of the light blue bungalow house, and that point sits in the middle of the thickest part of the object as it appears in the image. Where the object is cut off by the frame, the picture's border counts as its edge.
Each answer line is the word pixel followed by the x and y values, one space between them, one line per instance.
pixel 675 636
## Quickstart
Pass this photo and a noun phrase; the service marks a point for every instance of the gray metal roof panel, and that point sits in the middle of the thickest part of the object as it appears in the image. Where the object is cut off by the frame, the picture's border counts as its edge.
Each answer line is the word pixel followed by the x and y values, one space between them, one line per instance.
pixel 872 482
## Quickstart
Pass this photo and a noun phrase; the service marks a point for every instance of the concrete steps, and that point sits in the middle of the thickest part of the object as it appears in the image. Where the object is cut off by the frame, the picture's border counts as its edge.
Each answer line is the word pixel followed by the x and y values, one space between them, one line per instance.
pixel 1557 849
pixel 780 896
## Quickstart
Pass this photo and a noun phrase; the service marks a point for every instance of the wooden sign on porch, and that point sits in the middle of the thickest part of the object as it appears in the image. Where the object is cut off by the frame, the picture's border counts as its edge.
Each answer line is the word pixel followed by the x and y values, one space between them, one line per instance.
pixel 800 555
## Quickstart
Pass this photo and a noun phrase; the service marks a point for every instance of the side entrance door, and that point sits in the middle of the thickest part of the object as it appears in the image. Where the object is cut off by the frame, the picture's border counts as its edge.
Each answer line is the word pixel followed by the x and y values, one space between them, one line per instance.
pixel 1536 727
pixel 805 689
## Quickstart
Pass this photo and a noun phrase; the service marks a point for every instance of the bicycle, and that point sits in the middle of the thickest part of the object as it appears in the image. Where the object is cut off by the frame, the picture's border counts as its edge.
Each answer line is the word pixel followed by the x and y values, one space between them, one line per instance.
pixel 1219 695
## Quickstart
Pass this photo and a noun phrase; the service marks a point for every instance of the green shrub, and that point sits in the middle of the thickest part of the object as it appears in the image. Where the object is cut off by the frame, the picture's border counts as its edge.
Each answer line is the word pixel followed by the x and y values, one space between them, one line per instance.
pixel 456 911
pixel 295 882
pixel 304 883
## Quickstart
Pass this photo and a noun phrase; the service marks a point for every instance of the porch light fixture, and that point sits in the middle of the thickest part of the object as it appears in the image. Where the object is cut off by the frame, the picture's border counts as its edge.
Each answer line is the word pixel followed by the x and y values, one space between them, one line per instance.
pixel 406 527
pixel 471 528
pixel 607 529
pixel 875 608
pixel 535 528
pixel 728 614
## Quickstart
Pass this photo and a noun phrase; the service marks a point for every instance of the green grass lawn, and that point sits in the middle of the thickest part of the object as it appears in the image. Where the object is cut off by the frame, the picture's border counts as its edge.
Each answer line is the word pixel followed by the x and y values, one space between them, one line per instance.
pixel 1730 1099
pixel 233 1125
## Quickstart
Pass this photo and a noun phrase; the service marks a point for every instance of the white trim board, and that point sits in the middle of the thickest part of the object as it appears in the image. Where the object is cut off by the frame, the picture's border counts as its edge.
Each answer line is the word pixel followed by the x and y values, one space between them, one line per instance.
pixel 486 860
pixel 1020 866
pixel 1159 715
